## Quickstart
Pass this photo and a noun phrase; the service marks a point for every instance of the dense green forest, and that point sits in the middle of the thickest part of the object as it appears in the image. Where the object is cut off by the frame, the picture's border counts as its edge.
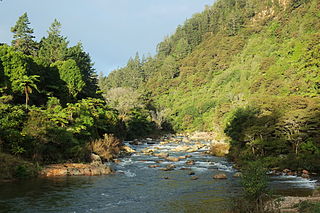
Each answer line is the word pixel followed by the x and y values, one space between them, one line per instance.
pixel 51 108
pixel 248 70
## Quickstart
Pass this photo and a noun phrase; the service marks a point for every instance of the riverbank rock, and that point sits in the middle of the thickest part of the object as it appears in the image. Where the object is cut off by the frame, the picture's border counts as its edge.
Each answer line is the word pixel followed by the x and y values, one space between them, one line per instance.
pixel 288 204
pixel 220 176
pixel 127 149
pixel 75 169
pixel 237 175
pixel 95 159
pixel 135 142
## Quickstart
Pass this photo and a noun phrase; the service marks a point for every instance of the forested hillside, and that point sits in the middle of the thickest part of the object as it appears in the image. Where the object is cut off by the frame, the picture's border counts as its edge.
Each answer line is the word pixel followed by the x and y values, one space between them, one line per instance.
pixel 248 70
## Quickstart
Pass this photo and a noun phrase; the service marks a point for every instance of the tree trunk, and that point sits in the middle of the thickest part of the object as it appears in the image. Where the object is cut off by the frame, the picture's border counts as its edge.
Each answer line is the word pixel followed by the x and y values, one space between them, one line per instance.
pixel 27 97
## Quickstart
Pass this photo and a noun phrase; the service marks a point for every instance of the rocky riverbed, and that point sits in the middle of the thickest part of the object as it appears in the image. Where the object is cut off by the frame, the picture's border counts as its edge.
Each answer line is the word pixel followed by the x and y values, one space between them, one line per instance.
pixel 172 175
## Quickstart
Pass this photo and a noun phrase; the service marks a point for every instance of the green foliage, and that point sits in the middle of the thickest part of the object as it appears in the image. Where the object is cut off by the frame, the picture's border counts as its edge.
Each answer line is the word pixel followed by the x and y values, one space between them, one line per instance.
pixel 71 74
pixel 66 113
pixel 139 124
pixel 23 36
pixel 254 182
pixel 54 47
pixel 308 207
pixel 14 167
pixel 26 84
pixel 247 70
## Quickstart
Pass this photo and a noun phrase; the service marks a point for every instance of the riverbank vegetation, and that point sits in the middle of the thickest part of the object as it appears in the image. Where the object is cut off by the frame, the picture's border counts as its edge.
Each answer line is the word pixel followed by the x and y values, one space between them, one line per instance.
pixel 247 70
pixel 51 108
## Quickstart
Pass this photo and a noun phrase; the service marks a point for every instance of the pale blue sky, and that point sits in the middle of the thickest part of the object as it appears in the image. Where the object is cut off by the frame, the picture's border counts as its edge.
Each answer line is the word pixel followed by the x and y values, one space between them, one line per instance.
pixel 110 30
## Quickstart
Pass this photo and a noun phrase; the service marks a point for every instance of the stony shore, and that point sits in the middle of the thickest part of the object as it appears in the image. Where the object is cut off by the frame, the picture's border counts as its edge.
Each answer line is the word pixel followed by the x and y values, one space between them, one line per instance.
pixel 75 169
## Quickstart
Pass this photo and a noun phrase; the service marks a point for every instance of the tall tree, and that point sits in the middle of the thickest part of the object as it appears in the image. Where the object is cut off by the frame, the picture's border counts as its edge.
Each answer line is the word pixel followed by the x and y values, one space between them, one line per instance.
pixel 54 47
pixel 23 36
pixel 71 75
pixel 26 84
pixel 85 65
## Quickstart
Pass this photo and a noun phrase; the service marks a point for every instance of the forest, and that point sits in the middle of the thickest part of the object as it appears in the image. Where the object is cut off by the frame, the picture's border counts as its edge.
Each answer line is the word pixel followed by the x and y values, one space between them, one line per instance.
pixel 247 70
pixel 51 108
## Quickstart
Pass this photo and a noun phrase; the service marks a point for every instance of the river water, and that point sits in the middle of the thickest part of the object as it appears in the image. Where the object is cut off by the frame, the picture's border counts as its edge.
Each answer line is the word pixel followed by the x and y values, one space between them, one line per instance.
pixel 137 188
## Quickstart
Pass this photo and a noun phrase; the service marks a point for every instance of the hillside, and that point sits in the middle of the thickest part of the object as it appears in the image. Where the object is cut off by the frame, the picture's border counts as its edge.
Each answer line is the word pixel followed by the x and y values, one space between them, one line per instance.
pixel 247 70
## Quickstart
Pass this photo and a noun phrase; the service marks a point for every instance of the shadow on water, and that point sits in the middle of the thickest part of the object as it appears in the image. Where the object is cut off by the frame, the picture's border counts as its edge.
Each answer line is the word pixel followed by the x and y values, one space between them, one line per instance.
pixel 51 192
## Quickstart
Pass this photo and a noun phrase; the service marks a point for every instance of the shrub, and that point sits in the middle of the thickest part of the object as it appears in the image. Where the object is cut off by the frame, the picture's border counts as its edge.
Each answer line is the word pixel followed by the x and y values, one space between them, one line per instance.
pixel 308 207
pixel 14 167
pixel 254 181
pixel 107 148
pixel 219 149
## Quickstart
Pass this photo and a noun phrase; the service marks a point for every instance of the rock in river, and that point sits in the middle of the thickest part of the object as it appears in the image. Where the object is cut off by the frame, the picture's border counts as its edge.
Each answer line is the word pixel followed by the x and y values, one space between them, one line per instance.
pixel 173 159
pixel 220 176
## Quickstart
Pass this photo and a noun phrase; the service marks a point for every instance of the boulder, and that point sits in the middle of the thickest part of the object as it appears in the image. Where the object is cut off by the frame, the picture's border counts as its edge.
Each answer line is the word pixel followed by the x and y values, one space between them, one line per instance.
pixel 220 176
pixel 181 149
pixel 237 174
pixel 185 168
pixel 161 155
pixel 95 159
pixel 286 171
pixel 153 166
pixel 117 161
pixel 192 173
pixel 194 178
pixel 190 162
pixel 135 142
pixel 148 151
pixel 173 159
pixel 305 172
pixel 127 149
pixel 171 166
pixel 75 169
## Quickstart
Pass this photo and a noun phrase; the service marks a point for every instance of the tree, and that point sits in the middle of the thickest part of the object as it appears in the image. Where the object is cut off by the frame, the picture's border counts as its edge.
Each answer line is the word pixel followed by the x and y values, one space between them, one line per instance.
pixel 124 100
pixel 26 83
pixel 71 74
pixel 54 47
pixel 85 65
pixel 23 36
pixel 170 68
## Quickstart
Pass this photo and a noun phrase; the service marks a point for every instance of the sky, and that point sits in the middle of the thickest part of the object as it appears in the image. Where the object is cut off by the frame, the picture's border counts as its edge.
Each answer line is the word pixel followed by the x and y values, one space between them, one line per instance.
pixel 111 31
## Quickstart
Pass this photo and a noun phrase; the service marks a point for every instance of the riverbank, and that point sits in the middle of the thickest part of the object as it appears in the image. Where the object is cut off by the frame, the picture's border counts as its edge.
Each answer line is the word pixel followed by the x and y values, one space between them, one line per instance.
pixel 12 168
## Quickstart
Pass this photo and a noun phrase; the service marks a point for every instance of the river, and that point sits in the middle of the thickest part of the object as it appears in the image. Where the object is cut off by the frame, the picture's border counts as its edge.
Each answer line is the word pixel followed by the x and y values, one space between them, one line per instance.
pixel 135 187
